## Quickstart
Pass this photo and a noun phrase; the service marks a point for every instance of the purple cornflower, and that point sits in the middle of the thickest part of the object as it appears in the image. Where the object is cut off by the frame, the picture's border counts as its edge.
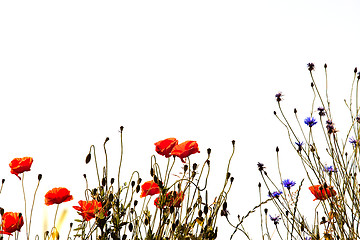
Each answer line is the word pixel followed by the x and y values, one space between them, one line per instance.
pixel 353 141
pixel 358 119
pixel 311 66
pixel 278 96
pixel 307 238
pixel 288 183
pixel 299 144
pixel 322 111
pixel 260 166
pixel 310 121
pixel 329 169
pixel 275 219
pixel 275 194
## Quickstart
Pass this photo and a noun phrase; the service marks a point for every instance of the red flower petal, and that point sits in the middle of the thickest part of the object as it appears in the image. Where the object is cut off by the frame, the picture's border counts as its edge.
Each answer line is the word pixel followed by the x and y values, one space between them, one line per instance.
pixel 185 149
pixel 20 165
pixel 149 188
pixel 57 196
pixel 11 222
pixel 165 146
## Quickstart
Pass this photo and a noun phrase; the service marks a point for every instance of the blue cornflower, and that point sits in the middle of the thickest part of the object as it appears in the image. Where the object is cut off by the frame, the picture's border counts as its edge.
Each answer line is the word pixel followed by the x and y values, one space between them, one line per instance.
pixel 299 144
pixel 288 183
pixel 310 121
pixel 329 169
pixel 307 238
pixel 275 194
pixel 353 141
pixel 275 219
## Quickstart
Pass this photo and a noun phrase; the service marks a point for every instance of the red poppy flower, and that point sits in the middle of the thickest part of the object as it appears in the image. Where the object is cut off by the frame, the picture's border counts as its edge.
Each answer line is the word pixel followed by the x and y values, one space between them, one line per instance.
pixel 165 146
pixel 185 149
pixel 57 196
pixel 88 209
pixel 149 188
pixel 11 222
pixel 20 165
pixel 172 199
pixel 321 193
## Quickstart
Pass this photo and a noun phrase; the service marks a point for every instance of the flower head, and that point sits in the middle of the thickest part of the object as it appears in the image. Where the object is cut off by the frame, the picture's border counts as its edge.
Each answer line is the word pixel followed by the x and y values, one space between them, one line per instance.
pixel 322 111
pixel 57 196
pixel 288 183
pixel 275 194
pixel 354 142
pixel 20 165
pixel 311 66
pixel 275 219
pixel 260 166
pixel 358 119
pixel 279 96
pixel 149 188
pixel 322 192
pixel 185 149
pixel 299 144
pixel 330 127
pixel 11 222
pixel 329 169
pixel 171 199
pixel 310 121
pixel 165 146
pixel 88 209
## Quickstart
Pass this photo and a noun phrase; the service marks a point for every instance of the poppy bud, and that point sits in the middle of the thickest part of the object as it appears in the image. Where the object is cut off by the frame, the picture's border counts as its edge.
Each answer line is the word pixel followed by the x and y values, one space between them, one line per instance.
pixel 124 237
pixel 111 197
pixel 146 222
pixel 325 65
pixel 39 177
pixel 206 209
pixel 88 158
pixel 121 128
pixel 295 110
pixel 3 180
pixel 107 139
pixel 266 210
pixel 112 180
pixel 231 179
pixel 132 183
pixel 84 175
pixel 208 151
pixel 312 84
pixel 103 181
pixel 259 185
pixel 277 149
pixel 200 213
pixel 94 191
pixel 233 142
pixel 185 168
pixel 137 188
pixel 151 172
pixel 274 112
pixel 139 181
pixel 173 227
pixel 2 211
pixel 194 166
pixel 156 179
pixel 286 212
pixel 193 174
pixel 172 209
pixel 71 224
pixel 355 70
pixel 224 205
pixel 228 175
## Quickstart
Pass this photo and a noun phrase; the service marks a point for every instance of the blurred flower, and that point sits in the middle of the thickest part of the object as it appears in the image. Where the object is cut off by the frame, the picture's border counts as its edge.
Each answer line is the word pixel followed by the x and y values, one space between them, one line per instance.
pixel 149 188
pixel 275 219
pixel 275 194
pixel 310 121
pixel 322 111
pixel 288 183
pixel 57 196
pixel 311 66
pixel 20 165
pixel 185 149
pixel 260 166
pixel 11 222
pixel 88 209
pixel 165 146
pixel 358 119
pixel 354 141
pixel 307 238
pixel 330 127
pixel 279 96
pixel 329 169
pixel 322 192
pixel 299 144
pixel 172 199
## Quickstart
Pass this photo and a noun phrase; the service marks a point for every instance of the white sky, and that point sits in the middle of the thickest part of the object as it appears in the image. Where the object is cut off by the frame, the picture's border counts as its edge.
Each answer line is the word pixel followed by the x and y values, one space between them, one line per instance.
pixel 72 72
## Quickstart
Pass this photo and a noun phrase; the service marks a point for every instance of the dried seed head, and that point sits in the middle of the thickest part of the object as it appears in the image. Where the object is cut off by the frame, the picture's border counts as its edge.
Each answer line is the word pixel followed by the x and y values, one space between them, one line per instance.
pixel 231 179
pixel 208 151
pixel 107 139
pixel 233 142
pixel 112 180
pixel 295 110
pixel 277 149
pixel 185 168
pixel 88 158
pixel 121 129
pixel 137 188
pixel 139 181
pixel 3 180
pixel 132 183
pixel 39 177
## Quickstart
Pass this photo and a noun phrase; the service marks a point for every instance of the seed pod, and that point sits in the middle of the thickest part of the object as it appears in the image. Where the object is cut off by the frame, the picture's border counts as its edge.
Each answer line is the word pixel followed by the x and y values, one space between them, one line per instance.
pixel 266 210
pixel 200 213
pixel 137 188
pixel 206 209
pixel 139 181
pixel 130 227
pixel 194 166
pixel 172 209
pixel 103 182
pixel 231 179
pixel 233 142
pixel 124 237
pixel 107 139
pixel 39 177
pixel 208 151
pixel 3 180
pixel 135 203
pixel 112 180
pixel 228 175
pixel 132 183
pixel 185 168
pixel 152 172
pixel 146 222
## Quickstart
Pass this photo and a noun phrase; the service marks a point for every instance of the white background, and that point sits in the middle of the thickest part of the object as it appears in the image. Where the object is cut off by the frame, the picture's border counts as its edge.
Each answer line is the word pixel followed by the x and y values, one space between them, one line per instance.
pixel 73 72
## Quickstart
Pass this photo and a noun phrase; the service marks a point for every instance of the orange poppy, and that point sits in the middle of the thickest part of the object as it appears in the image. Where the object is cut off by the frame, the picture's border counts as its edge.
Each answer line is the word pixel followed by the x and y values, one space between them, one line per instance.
pixel 149 188
pixel 88 209
pixel 185 149
pixel 20 165
pixel 57 196
pixel 321 193
pixel 172 199
pixel 165 146
pixel 11 222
